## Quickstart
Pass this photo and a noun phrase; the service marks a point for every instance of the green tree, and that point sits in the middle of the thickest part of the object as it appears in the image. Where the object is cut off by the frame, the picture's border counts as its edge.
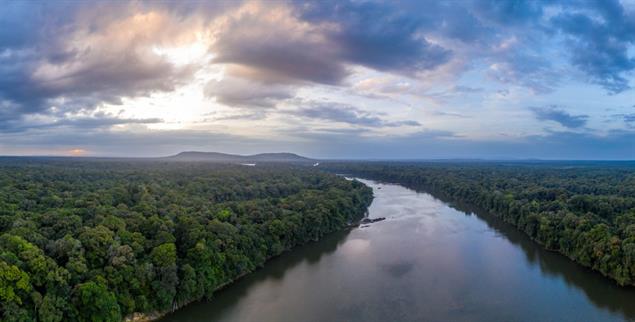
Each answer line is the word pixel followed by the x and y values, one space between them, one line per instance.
pixel 14 284
pixel 93 302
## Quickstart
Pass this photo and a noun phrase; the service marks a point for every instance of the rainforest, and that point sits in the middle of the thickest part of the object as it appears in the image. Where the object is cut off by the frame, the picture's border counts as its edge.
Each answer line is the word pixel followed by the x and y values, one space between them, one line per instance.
pixel 101 240
pixel 86 239
pixel 584 210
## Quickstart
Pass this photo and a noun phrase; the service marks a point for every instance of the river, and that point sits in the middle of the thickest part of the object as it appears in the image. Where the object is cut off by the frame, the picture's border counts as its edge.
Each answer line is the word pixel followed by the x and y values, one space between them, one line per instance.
pixel 426 262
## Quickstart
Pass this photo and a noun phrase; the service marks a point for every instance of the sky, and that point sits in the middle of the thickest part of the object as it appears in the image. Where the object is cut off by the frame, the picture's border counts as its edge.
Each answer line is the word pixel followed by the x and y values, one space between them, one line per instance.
pixel 326 79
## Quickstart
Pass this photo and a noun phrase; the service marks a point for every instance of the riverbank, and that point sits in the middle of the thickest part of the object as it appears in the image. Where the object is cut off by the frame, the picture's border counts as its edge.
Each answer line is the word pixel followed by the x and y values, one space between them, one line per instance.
pixel 155 316
pixel 597 235
pixel 426 261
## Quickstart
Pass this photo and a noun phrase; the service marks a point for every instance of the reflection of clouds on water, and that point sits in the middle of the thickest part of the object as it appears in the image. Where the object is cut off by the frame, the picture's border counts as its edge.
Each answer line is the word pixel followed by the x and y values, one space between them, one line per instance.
pixel 398 269
pixel 427 261
pixel 355 246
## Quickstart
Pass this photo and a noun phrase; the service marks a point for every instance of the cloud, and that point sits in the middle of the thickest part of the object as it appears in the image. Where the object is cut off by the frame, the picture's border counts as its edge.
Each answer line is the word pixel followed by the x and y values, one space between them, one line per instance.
pixel 428 134
pixel 86 56
pixel 599 40
pixel 240 92
pixel 344 113
pixel 526 69
pixel 384 85
pixel 61 63
pixel 271 44
pixel 107 142
pixel 438 144
pixel 454 91
pixel 509 12
pixel 449 114
pixel 318 41
pixel 629 119
pixel 321 142
pixel 26 27
pixel 616 144
pixel 596 35
pixel 556 114
pixel 84 123
pixel 377 35
pixel 244 115
pixel 80 56
pixel 103 121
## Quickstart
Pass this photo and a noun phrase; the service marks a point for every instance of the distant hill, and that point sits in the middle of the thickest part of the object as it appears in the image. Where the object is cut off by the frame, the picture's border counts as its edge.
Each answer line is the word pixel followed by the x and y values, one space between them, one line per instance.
pixel 224 157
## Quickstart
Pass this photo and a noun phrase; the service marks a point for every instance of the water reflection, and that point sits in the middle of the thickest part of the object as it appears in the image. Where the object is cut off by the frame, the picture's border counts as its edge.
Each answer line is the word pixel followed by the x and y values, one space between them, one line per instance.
pixel 272 273
pixel 603 292
pixel 427 261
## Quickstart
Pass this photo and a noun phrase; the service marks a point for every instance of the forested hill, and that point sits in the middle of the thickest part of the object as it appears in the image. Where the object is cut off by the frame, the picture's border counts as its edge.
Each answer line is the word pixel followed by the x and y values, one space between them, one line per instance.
pixel 584 210
pixel 98 240
pixel 234 158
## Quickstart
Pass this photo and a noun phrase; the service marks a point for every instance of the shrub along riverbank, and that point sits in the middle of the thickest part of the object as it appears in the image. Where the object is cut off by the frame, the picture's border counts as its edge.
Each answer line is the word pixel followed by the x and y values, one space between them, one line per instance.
pixel 584 210
pixel 99 240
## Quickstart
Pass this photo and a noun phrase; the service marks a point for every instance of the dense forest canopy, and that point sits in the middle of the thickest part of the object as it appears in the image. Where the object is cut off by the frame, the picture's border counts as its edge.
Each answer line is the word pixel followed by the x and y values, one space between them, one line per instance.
pixel 584 210
pixel 96 240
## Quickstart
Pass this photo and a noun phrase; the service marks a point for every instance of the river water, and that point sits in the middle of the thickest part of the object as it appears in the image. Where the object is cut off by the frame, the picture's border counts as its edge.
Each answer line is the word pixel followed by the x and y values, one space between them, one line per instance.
pixel 426 262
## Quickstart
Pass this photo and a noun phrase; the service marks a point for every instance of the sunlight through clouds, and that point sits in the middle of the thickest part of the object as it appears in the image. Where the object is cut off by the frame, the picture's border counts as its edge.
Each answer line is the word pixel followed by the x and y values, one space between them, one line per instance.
pixel 292 71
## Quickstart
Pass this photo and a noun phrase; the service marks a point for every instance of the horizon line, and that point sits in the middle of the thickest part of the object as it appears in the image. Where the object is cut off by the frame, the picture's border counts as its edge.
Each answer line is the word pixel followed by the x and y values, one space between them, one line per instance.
pixel 150 158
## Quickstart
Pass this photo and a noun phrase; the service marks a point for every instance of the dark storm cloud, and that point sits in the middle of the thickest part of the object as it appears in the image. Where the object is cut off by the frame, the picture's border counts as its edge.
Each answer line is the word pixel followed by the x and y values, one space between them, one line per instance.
pixel 556 114
pixel 344 113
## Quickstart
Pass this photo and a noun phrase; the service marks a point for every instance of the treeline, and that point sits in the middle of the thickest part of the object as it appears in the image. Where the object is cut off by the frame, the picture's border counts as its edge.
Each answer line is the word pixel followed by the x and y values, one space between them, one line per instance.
pixel 583 210
pixel 99 240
